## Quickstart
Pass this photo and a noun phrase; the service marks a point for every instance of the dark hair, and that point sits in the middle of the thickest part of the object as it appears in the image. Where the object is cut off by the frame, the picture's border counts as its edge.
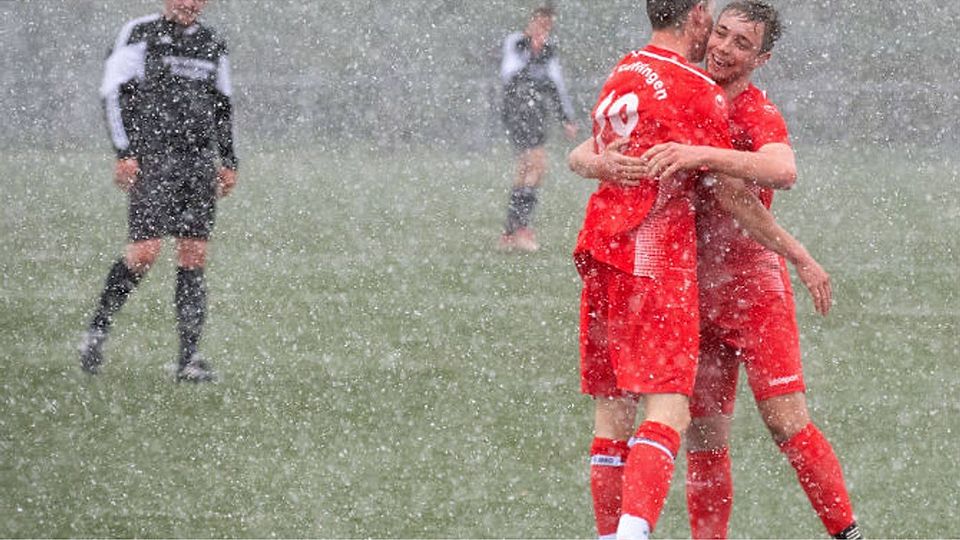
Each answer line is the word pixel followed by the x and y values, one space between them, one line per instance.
pixel 543 11
pixel 760 12
pixel 666 13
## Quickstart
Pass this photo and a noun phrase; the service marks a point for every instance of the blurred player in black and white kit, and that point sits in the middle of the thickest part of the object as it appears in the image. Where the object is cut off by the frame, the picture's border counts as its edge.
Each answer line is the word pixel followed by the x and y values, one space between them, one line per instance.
pixel 533 87
pixel 166 93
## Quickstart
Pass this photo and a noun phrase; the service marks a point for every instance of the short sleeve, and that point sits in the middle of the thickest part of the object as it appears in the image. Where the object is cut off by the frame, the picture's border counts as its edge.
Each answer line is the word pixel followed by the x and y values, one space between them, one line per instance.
pixel 766 126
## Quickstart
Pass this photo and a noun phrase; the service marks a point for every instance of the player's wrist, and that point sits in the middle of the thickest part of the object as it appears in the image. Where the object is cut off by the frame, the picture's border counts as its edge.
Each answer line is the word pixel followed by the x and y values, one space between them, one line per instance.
pixel 800 257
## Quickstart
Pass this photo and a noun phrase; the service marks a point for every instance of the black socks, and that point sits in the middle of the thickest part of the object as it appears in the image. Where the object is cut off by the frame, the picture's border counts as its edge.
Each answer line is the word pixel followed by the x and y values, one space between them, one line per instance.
pixel 850 533
pixel 190 299
pixel 523 201
pixel 191 302
pixel 121 281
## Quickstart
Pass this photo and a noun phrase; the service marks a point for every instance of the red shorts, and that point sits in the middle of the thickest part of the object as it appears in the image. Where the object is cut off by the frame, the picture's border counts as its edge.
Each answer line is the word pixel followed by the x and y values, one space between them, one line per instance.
pixel 763 336
pixel 637 335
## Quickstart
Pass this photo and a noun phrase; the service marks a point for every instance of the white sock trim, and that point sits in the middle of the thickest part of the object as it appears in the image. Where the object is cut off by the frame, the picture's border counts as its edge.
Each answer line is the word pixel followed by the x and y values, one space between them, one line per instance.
pixel 633 528
pixel 639 440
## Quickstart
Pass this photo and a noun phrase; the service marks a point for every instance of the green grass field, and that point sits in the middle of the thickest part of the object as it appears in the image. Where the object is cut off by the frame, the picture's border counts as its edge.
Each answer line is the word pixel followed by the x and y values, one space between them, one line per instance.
pixel 386 373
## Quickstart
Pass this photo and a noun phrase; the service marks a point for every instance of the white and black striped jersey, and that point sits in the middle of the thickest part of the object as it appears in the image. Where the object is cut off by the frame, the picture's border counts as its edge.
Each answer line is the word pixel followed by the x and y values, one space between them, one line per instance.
pixel 535 75
pixel 166 88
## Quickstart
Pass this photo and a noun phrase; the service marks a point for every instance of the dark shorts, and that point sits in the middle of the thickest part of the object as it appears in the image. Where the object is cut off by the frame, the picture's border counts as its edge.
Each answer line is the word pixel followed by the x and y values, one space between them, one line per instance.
pixel 525 121
pixel 174 196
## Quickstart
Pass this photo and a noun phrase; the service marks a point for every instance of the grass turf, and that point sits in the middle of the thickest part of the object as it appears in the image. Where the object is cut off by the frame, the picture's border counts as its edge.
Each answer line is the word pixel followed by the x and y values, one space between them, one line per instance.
pixel 386 373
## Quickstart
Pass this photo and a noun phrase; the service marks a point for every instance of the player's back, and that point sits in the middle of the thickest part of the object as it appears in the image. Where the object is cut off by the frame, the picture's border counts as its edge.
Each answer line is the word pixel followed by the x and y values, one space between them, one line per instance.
pixel 652 96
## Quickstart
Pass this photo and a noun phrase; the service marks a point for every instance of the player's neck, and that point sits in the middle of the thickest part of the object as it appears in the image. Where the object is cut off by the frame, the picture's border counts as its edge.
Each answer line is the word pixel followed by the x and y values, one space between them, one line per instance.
pixel 736 87
pixel 672 41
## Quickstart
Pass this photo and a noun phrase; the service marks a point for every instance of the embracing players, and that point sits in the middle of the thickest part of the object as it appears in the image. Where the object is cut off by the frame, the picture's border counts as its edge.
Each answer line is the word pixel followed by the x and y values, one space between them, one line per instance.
pixel 746 304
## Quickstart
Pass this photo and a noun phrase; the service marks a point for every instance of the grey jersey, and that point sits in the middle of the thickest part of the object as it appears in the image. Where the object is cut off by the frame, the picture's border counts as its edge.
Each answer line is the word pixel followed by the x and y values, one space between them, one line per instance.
pixel 167 88
pixel 539 75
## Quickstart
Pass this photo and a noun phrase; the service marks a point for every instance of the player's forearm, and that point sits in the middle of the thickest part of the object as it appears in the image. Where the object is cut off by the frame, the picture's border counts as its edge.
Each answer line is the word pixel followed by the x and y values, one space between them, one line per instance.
pixel 757 221
pixel 224 127
pixel 583 161
pixel 772 166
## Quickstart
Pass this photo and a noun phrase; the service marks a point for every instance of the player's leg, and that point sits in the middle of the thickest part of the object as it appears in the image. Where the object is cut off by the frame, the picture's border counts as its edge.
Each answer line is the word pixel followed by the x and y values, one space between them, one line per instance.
pixel 145 233
pixel 709 477
pixel 614 413
pixel 194 225
pixel 528 135
pixel 518 232
pixel 613 420
pixel 812 457
pixel 656 329
pixel 650 464
pixel 775 373
pixel 122 279
pixel 190 297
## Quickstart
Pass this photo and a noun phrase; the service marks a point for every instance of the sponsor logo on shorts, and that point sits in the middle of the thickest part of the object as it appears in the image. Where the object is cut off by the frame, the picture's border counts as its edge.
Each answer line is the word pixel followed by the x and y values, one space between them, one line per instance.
pixel 780 381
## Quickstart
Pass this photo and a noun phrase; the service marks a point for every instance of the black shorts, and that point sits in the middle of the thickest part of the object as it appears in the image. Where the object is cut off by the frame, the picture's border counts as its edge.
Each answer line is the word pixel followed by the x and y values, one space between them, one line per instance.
pixel 524 117
pixel 175 195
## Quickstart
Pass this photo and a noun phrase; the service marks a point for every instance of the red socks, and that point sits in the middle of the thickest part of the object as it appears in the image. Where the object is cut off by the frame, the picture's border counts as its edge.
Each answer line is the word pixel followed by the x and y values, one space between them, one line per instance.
pixel 645 480
pixel 649 471
pixel 709 492
pixel 607 460
pixel 818 470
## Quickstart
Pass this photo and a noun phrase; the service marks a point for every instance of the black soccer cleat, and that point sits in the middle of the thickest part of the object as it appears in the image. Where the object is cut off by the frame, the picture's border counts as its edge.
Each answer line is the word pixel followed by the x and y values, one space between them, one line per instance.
pixel 196 370
pixel 91 351
pixel 850 533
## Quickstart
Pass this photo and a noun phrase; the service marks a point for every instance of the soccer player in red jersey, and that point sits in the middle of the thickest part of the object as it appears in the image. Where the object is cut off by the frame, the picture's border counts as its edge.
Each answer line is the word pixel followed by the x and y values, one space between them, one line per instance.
pixel 746 302
pixel 636 254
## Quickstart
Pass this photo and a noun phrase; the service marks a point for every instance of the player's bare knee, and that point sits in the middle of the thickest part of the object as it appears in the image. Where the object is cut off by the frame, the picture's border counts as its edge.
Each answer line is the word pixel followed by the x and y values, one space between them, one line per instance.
pixel 615 417
pixel 669 409
pixel 140 256
pixel 785 416
pixel 191 253
pixel 783 428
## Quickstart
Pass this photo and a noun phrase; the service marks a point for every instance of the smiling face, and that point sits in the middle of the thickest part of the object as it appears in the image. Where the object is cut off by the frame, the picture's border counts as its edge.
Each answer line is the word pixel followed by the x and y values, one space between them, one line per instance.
pixel 183 12
pixel 734 48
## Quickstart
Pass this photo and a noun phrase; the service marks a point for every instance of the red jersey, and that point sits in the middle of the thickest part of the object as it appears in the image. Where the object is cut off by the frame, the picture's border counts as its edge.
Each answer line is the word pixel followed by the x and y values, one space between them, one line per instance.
pixel 733 265
pixel 652 96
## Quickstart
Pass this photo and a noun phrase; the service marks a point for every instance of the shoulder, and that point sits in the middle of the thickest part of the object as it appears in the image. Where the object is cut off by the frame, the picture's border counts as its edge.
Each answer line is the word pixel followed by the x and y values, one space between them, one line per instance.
pixel 706 96
pixel 209 35
pixel 755 106
pixel 550 50
pixel 759 103
pixel 513 40
pixel 136 30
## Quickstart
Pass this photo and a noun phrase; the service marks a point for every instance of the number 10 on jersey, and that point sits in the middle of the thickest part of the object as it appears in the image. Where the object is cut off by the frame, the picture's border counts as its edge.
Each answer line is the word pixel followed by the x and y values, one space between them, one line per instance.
pixel 619 114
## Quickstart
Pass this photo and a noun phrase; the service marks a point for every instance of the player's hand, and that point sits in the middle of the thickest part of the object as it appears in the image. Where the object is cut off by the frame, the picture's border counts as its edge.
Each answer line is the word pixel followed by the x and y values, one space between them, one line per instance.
pixel 226 180
pixel 666 159
pixel 125 173
pixel 617 167
pixel 570 131
pixel 817 281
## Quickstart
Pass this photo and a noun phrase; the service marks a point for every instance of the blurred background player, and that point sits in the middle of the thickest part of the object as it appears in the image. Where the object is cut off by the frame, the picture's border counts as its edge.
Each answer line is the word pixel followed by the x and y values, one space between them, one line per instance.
pixel 166 92
pixel 746 302
pixel 533 87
